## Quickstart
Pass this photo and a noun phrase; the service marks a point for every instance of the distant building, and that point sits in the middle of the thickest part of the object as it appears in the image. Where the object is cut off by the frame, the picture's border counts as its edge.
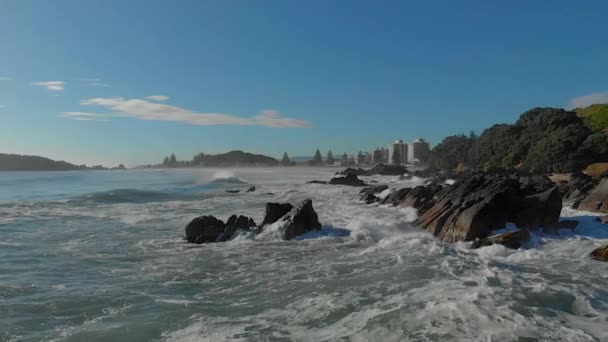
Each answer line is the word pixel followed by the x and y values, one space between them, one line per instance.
pixel 363 158
pixel 401 151
pixel 418 151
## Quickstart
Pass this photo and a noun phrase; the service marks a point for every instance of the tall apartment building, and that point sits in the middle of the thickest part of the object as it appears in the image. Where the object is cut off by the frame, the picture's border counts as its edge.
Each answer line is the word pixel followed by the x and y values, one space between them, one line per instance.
pixel 418 151
pixel 401 152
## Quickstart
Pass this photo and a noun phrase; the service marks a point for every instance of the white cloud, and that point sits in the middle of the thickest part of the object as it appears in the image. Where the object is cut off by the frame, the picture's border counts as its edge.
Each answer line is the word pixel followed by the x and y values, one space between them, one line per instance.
pixel 97 84
pixel 5 78
pixel 157 97
pixel 50 85
pixel 588 100
pixel 146 110
pixel 84 116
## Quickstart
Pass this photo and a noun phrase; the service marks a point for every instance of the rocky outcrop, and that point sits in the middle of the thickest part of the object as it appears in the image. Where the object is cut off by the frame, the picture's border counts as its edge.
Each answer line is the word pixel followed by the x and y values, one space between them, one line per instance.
pixel 204 229
pixel 577 188
pixel 597 200
pixel 316 182
pixel 513 240
pixel 600 253
pixel 233 191
pixel 378 169
pixel 350 179
pixel 295 221
pixel 252 189
pixel 301 219
pixel 368 194
pixel 479 203
pixel 274 211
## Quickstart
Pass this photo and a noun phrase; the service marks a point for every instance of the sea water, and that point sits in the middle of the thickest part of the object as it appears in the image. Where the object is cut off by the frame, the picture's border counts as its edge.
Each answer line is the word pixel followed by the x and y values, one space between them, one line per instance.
pixel 99 256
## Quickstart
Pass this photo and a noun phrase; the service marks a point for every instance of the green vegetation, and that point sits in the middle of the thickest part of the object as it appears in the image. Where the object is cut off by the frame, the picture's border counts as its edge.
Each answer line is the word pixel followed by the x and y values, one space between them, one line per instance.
pixel 595 117
pixel 16 162
pixel 233 158
pixel 542 140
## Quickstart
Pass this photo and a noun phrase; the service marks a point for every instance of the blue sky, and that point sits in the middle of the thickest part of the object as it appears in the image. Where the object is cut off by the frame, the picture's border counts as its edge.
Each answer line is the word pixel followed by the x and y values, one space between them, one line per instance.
pixel 272 76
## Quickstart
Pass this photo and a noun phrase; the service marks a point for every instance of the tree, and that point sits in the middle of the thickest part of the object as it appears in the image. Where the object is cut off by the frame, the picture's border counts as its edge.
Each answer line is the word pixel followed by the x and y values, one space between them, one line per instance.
pixel 173 160
pixel 344 158
pixel 396 156
pixel 330 158
pixel 286 161
pixel 166 161
pixel 452 151
pixel 317 160
pixel 198 158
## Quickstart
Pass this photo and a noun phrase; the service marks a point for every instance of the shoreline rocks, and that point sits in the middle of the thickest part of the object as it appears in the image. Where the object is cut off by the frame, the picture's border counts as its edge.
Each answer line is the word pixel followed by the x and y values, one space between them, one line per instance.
pixel 350 180
pixel 295 220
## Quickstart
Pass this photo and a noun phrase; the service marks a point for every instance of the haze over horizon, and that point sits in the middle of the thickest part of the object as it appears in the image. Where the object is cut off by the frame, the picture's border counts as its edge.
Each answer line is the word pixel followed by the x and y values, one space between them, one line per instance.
pixel 86 83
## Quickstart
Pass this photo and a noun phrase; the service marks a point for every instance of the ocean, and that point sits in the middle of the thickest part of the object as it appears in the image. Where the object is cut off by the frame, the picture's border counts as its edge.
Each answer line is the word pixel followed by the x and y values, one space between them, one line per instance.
pixel 99 256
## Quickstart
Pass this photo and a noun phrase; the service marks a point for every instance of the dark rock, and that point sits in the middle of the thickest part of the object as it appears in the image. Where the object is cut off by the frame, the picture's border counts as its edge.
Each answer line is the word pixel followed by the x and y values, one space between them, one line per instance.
pixel 350 170
pixel 252 189
pixel 350 179
pixel 539 210
pixel 512 240
pixel 534 184
pixel 479 203
pixel 577 188
pixel 274 211
pixel 602 219
pixel 597 200
pixel 373 189
pixel 234 224
pixel 387 170
pixel 567 224
pixel 316 182
pixel 233 191
pixel 369 199
pixel 302 218
pixel 204 229
pixel 600 253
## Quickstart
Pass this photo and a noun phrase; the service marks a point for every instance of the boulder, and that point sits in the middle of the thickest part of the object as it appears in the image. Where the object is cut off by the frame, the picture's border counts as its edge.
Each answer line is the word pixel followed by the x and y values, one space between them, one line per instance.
pixel 602 219
pixel 369 199
pixel 538 210
pixel 234 224
pixel 577 188
pixel 387 170
pixel 373 189
pixel 274 211
pixel 600 253
pixel 512 240
pixel 479 203
pixel 597 200
pixel 301 219
pixel 204 229
pixel 350 179
pixel 252 189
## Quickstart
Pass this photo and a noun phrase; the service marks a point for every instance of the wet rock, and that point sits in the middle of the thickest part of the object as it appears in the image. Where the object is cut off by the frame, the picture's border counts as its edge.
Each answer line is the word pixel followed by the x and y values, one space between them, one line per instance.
pixel 204 229
pixel 233 191
pixel 369 199
pixel 602 219
pixel 387 170
pixel 373 189
pixel 350 170
pixel 577 188
pixel 567 224
pixel 597 200
pixel 234 224
pixel 600 253
pixel 301 219
pixel 252 189
pixel 316 182
pixel 513 240
pixel 274 211
pixel 539 210
pixel 350 179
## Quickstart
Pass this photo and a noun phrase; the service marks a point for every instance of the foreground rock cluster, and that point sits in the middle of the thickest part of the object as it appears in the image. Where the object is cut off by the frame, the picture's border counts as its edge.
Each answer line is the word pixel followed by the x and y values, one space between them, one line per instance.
pixel 295 220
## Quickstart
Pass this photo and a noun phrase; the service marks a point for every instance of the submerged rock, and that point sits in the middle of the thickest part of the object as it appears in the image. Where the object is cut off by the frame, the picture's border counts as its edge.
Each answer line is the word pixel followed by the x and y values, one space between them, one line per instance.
pixel 600 253
pixel 233 191
pixel 513 240
pixel 316 182
pixel 252 189
pixel 350 179
pixel 369 199
pixel 204 229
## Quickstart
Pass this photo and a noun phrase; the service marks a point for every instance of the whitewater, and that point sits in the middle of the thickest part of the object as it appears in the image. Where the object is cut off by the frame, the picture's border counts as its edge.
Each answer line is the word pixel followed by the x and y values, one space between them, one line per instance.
pixel 100 256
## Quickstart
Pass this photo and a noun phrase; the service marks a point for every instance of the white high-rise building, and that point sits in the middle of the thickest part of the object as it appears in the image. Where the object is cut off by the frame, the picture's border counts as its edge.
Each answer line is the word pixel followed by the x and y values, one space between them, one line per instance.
pixel 418 151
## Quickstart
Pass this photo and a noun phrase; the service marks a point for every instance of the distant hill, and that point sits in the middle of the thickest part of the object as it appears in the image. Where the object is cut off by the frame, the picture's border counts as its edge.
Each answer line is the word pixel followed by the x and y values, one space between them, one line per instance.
pixel 237 158
pixel 15 162
pixel 595 117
